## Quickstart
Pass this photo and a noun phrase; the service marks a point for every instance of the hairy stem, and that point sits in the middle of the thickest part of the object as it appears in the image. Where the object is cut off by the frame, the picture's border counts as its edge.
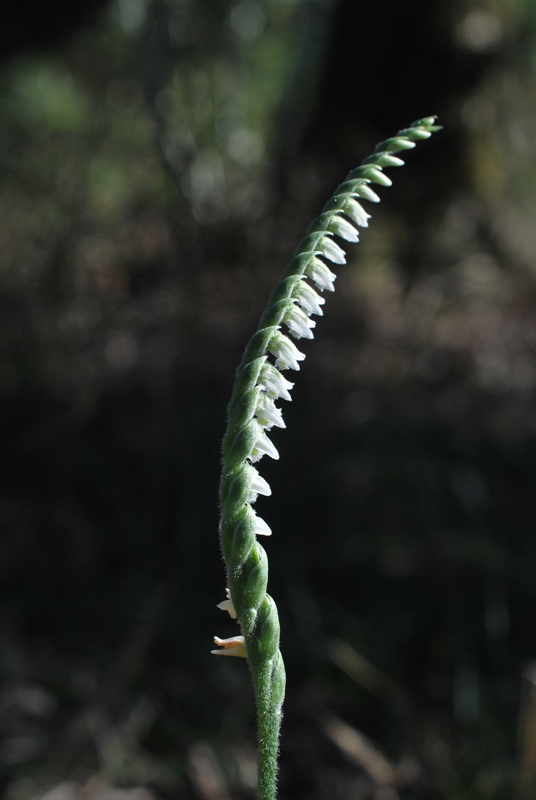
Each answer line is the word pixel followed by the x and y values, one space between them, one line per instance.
pixel 252 412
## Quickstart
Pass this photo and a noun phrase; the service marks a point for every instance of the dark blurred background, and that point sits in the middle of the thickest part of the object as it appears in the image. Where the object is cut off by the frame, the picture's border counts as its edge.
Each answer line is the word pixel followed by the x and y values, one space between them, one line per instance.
pixel 160 161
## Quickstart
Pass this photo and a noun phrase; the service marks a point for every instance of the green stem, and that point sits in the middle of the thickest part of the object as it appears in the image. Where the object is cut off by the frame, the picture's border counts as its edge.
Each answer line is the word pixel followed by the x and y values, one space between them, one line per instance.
pixel 251 411
pixel 269 723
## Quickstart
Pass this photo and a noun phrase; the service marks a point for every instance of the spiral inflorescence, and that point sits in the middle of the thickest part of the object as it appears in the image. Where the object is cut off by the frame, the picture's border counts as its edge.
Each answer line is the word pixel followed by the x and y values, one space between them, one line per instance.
pixel 252 412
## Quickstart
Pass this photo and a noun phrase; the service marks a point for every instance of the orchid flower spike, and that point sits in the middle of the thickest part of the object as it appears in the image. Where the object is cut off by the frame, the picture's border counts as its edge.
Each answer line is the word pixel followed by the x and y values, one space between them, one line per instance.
pixel 258 386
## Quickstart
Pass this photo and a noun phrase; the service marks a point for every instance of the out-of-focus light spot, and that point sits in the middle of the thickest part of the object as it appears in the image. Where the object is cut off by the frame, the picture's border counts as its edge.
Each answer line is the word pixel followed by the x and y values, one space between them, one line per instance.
pixel 121 350
pixel 478 113
pixel 47 95
pixel 518 138
pixel 479 31
pixel 205 175
pixel 204 185
pixel 131 14
pixel 245 146
pixel 247 20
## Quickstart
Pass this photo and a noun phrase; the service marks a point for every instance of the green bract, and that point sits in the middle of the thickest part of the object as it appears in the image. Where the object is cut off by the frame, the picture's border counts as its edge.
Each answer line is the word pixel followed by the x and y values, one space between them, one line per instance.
pixel 252 412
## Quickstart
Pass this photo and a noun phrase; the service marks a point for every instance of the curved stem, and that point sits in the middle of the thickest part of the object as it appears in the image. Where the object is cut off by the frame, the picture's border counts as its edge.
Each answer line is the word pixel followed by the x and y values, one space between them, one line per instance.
pixel 258 385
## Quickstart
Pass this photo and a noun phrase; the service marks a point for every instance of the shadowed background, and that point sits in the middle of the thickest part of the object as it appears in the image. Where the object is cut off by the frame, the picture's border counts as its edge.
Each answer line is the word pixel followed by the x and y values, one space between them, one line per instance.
pixel 160 161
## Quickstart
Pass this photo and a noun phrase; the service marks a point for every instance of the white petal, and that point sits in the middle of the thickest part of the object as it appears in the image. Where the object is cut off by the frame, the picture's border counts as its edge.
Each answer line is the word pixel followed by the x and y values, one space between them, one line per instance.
pixel 344 229
pixel 308 299
pixel 356 212
pixel 227 605
pixel 321 275
pixel 261 528
pixel 366 193
pixel 286 352
pixel 332 251
pixel 274 383
pixel 299 323
pixel 268 414
pixel 263 446
pixel 259 485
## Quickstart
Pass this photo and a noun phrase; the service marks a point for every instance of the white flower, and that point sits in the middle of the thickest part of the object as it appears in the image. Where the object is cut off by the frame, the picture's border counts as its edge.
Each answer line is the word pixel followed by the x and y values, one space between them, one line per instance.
pixel 258 486
pixel 263 446
pixel 299 323
pixel 234 646
pixel 308 299
pixel 356 212
pixel 268 414
pixel 285 351
pixel 328 248
pixel 274 383
pixel 342 228
pixel 227 605
pixel 261 528
pixel 320 274
pixel 366 193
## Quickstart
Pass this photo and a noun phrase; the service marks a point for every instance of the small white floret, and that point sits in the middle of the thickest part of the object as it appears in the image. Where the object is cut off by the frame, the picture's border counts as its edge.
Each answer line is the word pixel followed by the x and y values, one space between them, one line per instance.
pixel 227 605
pixel 328 248
pixel 308 299
pixel 344 229
pixel 366 193
pixel 356 212
pixel 286 352
pixel 321 275
pixel 263 446
pixel 275 384
pixel 261 528
pixel 259 485
pixel 299 323
pixel 268 414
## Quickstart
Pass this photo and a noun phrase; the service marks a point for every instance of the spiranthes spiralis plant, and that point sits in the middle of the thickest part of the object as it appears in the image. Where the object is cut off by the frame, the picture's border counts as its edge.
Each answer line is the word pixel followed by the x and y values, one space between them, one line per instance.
pixel 252 412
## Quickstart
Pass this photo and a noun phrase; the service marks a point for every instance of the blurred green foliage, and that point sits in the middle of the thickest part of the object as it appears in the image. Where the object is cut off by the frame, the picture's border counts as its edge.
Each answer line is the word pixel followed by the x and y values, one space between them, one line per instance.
pixel 158 168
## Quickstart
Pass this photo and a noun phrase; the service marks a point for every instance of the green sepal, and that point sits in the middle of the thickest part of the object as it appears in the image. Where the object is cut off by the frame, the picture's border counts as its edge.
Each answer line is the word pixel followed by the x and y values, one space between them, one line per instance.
pixel 242 445
pixel 254 586
pixel 336 203
pixel 320 223
pixel 258 343
pixel 236 491
pixel 284 289
pixel 298 264
pixel 241 414
pixel 267 628
pixel 274 314
pixel 309 244
pixel 370 173
pixel 246 379
pixel 278 682
pixel 241 540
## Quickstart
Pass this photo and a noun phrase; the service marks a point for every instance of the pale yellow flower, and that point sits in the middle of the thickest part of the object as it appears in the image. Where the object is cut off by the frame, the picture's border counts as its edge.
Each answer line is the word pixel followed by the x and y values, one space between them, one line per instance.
pixel 230 647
